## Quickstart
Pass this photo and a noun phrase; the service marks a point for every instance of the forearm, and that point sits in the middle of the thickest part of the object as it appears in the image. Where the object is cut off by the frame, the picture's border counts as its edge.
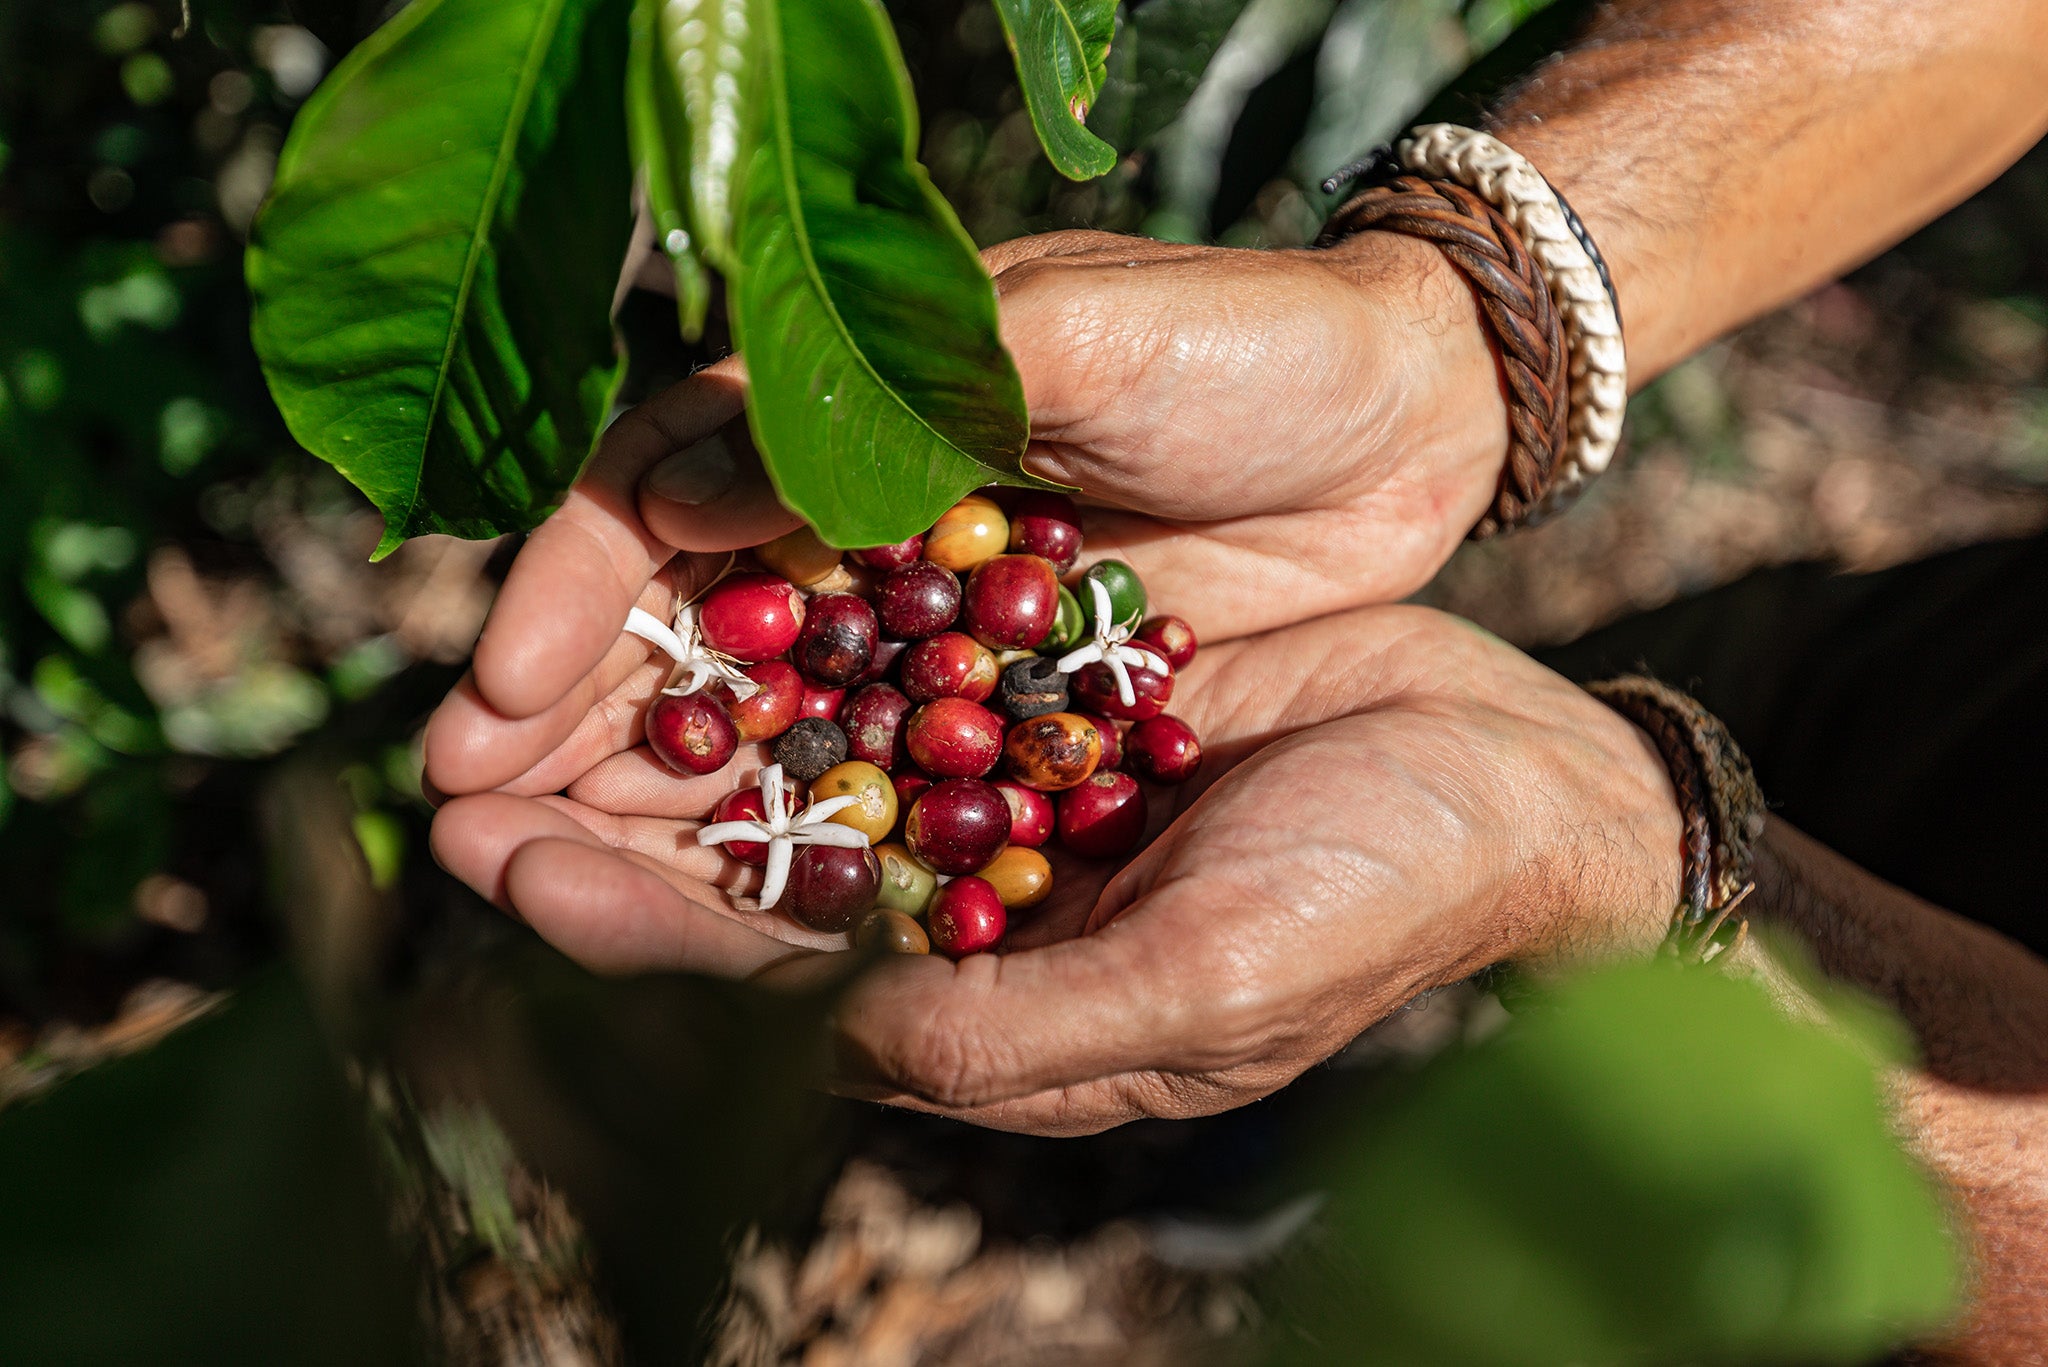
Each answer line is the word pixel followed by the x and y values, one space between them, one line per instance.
pixel 1729 155
pixel 1977 1108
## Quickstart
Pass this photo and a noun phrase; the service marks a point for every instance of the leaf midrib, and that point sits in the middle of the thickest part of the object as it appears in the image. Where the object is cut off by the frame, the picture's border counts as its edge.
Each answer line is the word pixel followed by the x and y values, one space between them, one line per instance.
pixel 501 170
pixel 800 232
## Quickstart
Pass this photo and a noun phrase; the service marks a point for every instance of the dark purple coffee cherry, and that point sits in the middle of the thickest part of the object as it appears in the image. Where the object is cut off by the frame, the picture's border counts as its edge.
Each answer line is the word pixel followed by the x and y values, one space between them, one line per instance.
pixel 837 642
pixel 918 600
pixel 831 886
pixel 873 722
pixel 958 826
pixel 1047 525
pixel 693 733
pixel 1010 602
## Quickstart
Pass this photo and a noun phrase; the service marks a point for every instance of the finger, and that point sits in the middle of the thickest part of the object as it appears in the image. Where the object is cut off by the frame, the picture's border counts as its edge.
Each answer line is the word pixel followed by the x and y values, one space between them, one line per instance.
pixel 572 583
pixel 615 915
pixel 714 495
pixel 991 1028
pixel 637 781
pixel 475 837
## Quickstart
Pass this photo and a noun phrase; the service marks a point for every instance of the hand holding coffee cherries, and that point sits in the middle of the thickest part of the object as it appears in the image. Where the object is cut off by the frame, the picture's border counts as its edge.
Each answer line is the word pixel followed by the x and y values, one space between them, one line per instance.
pixel 1269 436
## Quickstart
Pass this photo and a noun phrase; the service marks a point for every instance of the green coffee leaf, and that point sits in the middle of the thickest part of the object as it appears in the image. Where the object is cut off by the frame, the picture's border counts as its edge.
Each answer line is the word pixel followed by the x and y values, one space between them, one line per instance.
pixel 700 67
pixel 660 135
pixel 1649 1165
pixel 1060 47
pixel 880 388
pixel 1160 52
pixel 433 271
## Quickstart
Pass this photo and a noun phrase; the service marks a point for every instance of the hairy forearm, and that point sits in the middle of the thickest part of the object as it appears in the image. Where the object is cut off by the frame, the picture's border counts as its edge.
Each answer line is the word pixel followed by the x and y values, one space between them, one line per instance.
pixel 1729 155
pixel 1976 1109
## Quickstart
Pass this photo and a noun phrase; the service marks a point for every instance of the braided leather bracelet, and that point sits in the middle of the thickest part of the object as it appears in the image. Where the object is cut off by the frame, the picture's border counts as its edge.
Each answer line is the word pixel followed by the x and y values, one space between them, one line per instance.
pixel 1532 224
pixel 1719 802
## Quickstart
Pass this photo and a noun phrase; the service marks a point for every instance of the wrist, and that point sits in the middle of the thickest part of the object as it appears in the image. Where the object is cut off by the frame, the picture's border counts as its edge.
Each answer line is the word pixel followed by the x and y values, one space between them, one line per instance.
pixel 1444 391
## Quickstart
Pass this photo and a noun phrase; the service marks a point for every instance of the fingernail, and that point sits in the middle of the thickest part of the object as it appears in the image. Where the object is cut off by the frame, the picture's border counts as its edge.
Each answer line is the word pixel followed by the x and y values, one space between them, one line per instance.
pixel 696 474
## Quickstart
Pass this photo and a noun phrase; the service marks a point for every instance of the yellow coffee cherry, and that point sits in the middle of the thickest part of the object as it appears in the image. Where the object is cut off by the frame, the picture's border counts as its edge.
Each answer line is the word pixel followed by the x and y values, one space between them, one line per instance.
pixel 969 532
pixel 800 558
pixel 874 815
pixel 1020 876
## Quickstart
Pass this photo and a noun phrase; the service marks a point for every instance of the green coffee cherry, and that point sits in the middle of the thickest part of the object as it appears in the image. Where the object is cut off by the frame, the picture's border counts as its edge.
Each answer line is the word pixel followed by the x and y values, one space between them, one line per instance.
pixel 907 885
pixel 1069 626
pixel 1126 591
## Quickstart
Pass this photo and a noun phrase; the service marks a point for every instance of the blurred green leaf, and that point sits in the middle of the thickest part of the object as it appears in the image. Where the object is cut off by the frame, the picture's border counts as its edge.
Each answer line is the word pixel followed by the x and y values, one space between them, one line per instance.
pixel 663 150
pixel 208 1201
pixel 434 269
pixel 881 391
pixel 1162 47
pixel 1060 47
pixel 1650 1165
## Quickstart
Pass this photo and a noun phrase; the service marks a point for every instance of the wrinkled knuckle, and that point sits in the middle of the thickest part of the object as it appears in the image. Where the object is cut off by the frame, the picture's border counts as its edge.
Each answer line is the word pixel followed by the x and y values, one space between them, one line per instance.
pixel 948 1062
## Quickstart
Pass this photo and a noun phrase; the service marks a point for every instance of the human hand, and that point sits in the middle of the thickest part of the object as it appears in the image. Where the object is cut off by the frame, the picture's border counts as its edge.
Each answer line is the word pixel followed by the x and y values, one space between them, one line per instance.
pixel 1267 436
pixel 1392 800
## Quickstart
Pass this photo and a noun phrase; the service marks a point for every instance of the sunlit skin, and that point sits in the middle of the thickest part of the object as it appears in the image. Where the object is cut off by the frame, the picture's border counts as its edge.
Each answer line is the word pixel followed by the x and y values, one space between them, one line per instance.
pixel 1269 437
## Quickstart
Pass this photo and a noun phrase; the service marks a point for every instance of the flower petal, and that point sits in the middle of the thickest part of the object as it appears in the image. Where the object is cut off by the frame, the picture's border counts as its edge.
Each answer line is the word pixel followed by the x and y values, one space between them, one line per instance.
pixel 719 832
pixel 652 629
pixel 779 854
pixel 831 833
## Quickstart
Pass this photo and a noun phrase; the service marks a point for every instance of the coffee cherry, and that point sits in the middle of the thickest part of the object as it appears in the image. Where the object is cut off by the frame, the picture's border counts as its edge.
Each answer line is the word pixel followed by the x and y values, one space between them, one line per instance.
pixel 1030 813
pixel 966 534
pixel 743 804
pixel 893 557
pixel 1094 688
pixel 1164 750
pixel 1010 601
pixel 949 665
pixel 873 722
pixel 1069 625
pixel 799 557
pixel 918 600
pixel 887 653
pixel 1048 525
pixel 692 733
pixel 954 738
pixel 895 932
pixel 1020 877
pixel 907 885
pixel 751 617
pixel 1112 743
pixel 967 917
pixel 958 825
pixel 770 710
pixel 830 886
pixel 1126 591
pixel 910 786
pixel 874 816
pixel 809 748
pixel 1032 687
pixel 838 638
pixel 1102 818
pixel 1053 752
pixel 1170 638
pixel 821 702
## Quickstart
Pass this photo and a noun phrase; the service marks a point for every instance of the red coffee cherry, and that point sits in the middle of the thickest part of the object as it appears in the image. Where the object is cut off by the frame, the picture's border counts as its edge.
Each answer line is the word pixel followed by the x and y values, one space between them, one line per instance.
pixel 1170 638
pixel 958 825
pixel 1103 818
pixel 966 917
pixel 692 733
pixel 751 617
pixel 873 722
pixel 910 786
pixel 821 702
pixel 954 738
pixel 891 557
pixel 1054 752
pixel 831 887
pixel 837 641
pixel 1047 525
pixel 887 653
pixel 918 600
pixel 772 708
pixel 1094 688
pixel 1030 813
pixel 949 665
pixel 1164 750
pixel 1010 602
pixel 1112 743
pixel 743 804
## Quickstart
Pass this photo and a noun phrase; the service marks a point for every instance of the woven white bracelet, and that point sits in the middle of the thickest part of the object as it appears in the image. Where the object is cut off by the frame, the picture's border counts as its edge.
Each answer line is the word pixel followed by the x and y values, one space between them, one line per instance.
pixel 1599 367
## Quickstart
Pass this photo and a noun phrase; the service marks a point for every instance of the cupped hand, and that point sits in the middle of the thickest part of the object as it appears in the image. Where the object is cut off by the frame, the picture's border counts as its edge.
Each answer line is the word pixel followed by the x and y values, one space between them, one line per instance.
pixel 1392 800
pixel 1266 436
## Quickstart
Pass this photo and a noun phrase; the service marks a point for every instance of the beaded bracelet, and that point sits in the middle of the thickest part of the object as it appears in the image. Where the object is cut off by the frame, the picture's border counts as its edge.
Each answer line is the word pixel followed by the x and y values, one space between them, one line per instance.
pixel 1573 276
pixel 1718 801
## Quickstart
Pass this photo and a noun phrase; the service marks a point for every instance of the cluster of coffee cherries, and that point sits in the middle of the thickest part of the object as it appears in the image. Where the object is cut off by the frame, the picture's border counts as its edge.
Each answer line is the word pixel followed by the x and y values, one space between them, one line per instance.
pixel 939 710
